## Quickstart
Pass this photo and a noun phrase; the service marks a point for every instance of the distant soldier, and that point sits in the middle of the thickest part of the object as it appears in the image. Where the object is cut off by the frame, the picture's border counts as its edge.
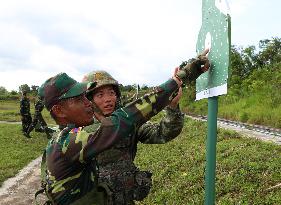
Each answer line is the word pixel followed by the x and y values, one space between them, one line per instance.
pixel 25 113
pixel 38 118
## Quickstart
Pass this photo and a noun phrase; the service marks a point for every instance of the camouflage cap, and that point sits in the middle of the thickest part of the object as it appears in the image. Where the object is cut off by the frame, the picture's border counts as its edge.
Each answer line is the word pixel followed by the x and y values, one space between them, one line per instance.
pixel 60 87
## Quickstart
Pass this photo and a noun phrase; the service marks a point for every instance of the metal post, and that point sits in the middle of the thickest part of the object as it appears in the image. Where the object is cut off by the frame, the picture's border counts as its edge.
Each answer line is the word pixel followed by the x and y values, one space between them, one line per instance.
pixel 211 151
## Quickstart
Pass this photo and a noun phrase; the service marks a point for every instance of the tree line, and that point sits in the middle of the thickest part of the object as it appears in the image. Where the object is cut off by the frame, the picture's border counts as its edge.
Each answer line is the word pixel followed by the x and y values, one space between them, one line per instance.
pixel 250 68
pixel 5 94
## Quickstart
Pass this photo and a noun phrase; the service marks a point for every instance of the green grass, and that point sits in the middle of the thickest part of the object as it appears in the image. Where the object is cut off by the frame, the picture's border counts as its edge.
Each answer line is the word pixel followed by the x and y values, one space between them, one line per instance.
pixel 9 111
pixel 246 168
pixel 17 151
pixel 254 108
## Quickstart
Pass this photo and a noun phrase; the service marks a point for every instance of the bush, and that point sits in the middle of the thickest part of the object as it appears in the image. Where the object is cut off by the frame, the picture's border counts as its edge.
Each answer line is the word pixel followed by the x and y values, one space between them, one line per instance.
pixel 9 97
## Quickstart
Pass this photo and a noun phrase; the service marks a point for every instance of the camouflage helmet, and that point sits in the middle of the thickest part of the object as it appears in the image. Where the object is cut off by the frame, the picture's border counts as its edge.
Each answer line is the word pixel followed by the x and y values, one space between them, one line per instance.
pixel 101 78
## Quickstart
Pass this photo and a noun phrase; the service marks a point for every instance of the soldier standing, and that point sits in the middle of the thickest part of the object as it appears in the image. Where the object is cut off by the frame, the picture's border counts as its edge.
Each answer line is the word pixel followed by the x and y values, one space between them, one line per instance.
pixel 38 119
pixel 119 178
pixel 71 170
pixel 26 118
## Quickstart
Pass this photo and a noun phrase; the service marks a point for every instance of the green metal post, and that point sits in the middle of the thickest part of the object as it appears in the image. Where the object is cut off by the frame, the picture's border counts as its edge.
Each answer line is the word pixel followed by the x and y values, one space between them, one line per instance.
pixel 211 151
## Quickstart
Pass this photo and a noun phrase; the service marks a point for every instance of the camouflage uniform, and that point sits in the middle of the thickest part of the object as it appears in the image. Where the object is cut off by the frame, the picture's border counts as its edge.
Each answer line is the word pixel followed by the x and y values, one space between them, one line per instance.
pixel 71 166
pixel 71 169
pixel 38 118
pixel 120 179
pixel 25 113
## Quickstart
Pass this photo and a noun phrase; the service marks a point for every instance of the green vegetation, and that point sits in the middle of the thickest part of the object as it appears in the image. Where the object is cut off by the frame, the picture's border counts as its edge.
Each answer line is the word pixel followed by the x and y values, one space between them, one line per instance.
pixel 246 168
pixel 10 111
pixel 253 89
pixel 17 151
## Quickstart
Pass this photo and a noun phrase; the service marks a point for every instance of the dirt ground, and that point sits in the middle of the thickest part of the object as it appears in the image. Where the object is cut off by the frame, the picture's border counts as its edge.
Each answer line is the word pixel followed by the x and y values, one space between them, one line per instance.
pixel 20 189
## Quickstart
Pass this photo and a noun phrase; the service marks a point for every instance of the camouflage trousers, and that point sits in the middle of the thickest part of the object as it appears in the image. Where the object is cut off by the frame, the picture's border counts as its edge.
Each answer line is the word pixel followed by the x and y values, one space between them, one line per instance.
pixel 26 121
pixel 38 119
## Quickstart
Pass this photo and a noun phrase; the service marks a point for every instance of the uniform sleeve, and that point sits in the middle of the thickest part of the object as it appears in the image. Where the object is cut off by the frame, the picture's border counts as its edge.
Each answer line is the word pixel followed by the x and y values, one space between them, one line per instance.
pixel 121 123
pixel 158 133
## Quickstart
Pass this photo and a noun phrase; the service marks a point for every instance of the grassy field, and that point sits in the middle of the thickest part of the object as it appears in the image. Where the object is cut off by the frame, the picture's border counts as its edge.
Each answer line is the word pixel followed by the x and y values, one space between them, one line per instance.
pixel 246 168
pixel 17 151
pixel 9 111
pixel 254 108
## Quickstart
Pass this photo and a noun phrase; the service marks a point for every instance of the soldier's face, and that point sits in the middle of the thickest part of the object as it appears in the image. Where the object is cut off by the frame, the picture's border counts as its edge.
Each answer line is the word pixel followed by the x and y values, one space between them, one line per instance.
pixel 105 98
pixel 76 110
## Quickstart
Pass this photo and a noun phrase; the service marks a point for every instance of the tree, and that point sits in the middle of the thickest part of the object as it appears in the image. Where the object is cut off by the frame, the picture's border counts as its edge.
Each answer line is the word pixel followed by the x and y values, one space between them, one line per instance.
pixel 270 52
pixel 249 57
pixel 13 92
pixel 144 87
pixel 3 90
pixel 34 88
pixel 237 65
pixel 24 88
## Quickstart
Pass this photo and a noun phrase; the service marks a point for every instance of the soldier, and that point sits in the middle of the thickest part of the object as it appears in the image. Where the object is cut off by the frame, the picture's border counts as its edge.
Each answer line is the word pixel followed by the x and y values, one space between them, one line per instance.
pixel 38 118
pixel 121 181
pixel 26 118
pixel 71 169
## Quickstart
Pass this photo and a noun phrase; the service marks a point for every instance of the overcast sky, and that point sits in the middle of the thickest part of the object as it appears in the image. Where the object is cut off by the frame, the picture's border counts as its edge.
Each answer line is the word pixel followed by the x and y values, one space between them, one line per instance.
pixel 137 41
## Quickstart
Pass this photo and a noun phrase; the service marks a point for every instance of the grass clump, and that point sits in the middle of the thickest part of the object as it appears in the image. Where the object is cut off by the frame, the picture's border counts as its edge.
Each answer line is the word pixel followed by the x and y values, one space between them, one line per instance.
pixel 17 151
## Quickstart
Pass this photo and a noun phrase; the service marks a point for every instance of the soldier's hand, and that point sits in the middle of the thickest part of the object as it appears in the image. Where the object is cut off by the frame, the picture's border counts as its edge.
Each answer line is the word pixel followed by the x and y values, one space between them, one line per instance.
pixel 175 101
pixel 191 70
pixel 178 93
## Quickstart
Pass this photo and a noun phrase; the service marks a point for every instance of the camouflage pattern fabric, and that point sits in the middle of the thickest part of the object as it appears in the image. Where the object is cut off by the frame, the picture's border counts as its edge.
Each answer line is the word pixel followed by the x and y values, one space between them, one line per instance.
pixel 60 87
pixel 71 165
pixel 38 118
pixel 98 79
pixel 25 113
pixel 116 165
